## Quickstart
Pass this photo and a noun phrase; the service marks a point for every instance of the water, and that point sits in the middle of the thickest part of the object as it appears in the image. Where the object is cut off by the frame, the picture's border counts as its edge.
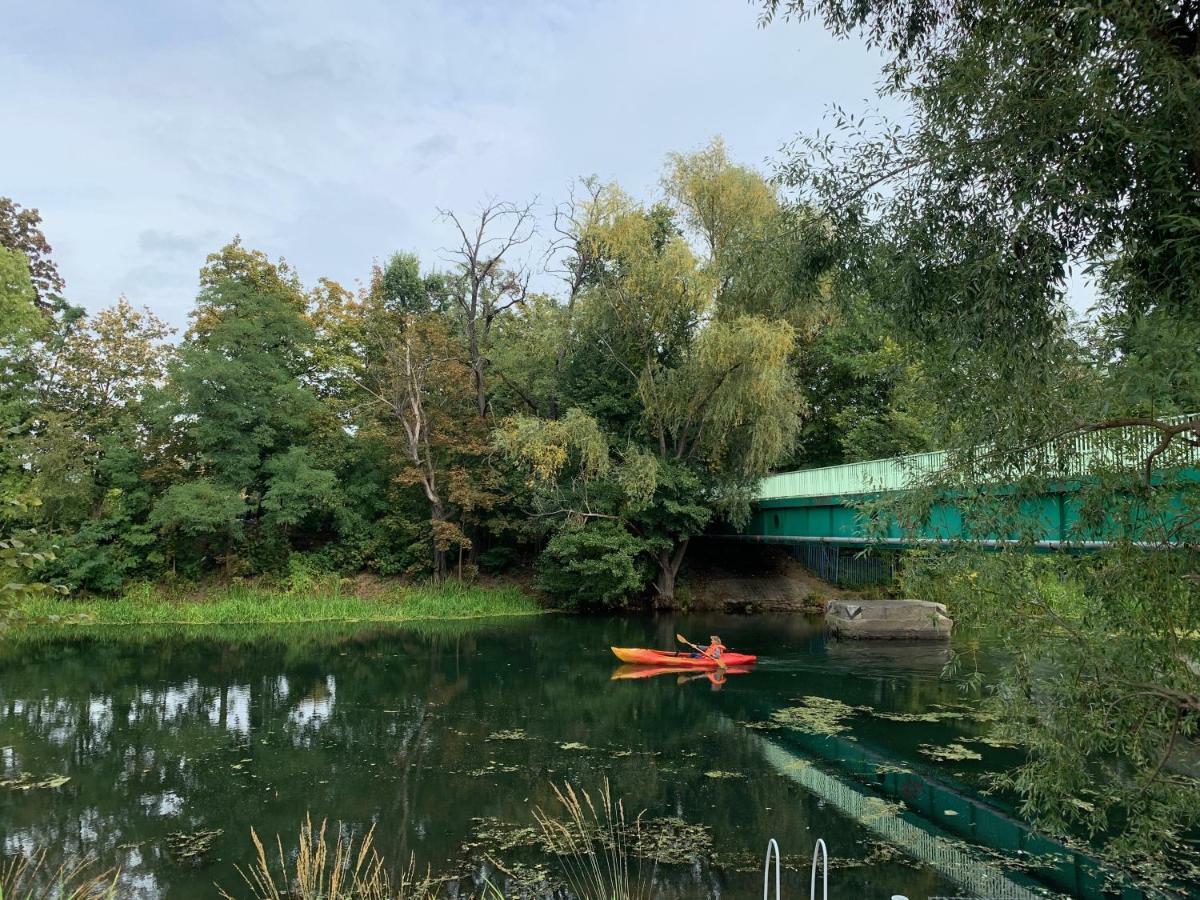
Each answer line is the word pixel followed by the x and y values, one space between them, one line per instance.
pixel 446 737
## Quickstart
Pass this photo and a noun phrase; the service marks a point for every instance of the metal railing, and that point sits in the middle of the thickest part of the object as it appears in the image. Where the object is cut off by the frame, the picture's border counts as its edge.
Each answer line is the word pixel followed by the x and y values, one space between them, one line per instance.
pixel 1072 456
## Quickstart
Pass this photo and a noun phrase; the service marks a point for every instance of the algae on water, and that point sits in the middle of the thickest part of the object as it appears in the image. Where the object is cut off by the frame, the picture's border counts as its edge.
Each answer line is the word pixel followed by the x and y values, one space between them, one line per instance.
pixel 950 753
pixel 815 715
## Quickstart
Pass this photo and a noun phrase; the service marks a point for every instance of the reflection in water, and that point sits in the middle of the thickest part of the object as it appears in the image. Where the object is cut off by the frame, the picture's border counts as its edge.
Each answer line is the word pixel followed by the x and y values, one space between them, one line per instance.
pixel 431 737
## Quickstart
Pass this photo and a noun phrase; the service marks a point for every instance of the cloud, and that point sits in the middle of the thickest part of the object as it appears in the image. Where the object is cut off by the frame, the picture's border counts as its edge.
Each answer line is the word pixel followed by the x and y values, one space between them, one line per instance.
pixel 153 132
pixel 170 244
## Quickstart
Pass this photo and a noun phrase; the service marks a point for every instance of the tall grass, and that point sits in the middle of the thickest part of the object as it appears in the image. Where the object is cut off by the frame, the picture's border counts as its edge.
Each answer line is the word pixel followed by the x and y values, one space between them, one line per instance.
pixel 31 878
pixel 328 870
pixel 252 605
pixel 594 844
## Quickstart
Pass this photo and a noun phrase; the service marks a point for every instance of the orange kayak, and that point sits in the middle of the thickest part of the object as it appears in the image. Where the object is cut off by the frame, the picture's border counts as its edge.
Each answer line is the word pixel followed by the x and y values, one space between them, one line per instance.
pixel 678 660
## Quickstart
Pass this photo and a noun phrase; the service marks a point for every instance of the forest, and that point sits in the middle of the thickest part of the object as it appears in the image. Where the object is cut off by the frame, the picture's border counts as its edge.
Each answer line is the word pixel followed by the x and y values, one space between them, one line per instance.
pixel 581 390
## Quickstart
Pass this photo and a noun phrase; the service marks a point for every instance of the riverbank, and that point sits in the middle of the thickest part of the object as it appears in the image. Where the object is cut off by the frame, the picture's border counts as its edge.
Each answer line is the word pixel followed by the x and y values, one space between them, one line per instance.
pixel 332 601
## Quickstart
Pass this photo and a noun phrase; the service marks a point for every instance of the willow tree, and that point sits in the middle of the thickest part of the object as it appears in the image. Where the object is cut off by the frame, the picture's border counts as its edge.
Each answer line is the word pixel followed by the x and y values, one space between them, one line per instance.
pixel 705 406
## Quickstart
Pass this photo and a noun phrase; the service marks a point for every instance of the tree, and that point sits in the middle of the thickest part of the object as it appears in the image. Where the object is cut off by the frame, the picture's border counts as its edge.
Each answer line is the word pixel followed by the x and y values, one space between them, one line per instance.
pixel 1041 137
pixel 87 448
pixel 239 402
pixel 426 388
pixel 704 408
pixel 20 320
pixel 20 230
pixel 485 285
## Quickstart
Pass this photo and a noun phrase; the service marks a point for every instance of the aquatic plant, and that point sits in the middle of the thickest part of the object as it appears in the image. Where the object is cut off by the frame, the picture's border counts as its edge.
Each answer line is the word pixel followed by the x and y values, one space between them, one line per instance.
pixel 816 715
pixel 595 843
pixel 29 877
pixel 325 869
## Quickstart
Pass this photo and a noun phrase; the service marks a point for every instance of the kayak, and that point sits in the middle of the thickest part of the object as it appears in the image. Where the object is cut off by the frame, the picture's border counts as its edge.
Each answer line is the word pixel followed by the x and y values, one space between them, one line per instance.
pixel 689 660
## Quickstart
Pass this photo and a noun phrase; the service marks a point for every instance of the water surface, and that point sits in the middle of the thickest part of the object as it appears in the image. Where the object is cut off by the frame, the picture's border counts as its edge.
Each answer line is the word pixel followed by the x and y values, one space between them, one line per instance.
pixel 446 737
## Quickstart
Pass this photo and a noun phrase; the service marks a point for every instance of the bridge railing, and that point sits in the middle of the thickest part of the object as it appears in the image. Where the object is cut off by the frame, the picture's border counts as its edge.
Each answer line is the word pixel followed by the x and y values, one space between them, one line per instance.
pixel 1074 456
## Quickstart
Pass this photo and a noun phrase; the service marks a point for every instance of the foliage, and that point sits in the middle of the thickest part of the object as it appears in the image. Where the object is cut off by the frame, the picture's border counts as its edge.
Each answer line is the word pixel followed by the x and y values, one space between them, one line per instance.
pixel 22 556
pixel 1039 139
pixel 601 564
pixel 20 320
pixel 20 231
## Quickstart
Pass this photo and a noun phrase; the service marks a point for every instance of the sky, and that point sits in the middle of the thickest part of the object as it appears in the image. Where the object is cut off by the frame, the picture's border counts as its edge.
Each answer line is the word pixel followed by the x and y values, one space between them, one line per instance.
pixel 150 132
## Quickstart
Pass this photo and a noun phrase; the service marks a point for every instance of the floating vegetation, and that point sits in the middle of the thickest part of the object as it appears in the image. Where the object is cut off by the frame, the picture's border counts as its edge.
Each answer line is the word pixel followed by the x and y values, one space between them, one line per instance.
pixel 493 768
pixel 521 881
pixel 914 717
pixel 717 773
pixel 761 726
pixel 26 782
pixel 949 753
pixel 573 745
pixel 876 808
pixel 994 741
pixel 192 847
pixel 511 734
pixel 493 836
pixel 816 715
pixel 672 840
pixel 890 769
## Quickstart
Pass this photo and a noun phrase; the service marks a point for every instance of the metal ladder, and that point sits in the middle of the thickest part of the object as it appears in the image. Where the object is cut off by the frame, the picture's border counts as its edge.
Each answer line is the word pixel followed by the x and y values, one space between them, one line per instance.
pixel 820 851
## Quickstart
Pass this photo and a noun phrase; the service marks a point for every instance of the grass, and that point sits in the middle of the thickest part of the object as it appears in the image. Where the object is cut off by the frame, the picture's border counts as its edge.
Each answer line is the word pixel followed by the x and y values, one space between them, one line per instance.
pixel 594 845
pixel 31 878
pixel 328 869
pixel 255 605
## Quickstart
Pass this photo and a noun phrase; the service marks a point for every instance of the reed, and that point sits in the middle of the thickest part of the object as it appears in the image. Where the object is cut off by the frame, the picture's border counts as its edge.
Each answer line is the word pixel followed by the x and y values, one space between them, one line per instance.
pixel 595 844
pixel 328 869
pixel 30 877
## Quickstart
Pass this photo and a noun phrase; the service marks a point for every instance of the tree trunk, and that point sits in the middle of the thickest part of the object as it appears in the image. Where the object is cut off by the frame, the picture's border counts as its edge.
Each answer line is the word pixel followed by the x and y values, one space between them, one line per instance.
pixel 669 562
pixel 477 377
pixel 440 565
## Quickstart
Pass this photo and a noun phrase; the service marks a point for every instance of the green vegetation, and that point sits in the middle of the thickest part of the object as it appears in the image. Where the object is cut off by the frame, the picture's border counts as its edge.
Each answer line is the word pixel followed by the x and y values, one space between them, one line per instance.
pixel 1039 142
pixel 898 287
pixel 250 605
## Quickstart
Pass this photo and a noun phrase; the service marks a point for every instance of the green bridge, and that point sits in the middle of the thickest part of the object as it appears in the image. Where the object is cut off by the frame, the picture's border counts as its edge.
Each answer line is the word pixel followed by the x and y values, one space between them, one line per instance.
pixel 817 511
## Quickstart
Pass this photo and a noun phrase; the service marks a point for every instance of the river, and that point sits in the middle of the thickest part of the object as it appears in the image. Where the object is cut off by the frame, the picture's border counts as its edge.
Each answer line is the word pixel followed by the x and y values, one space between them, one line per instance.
pixel 446 736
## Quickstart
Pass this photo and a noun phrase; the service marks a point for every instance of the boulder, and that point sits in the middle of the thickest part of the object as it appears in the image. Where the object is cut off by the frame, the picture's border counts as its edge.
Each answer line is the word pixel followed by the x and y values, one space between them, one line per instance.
pixel 888 619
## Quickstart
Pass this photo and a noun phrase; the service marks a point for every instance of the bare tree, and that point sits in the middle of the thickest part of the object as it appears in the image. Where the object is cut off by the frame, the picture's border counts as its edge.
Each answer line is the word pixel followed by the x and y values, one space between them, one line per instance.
pixel 576 248
pixel 487 284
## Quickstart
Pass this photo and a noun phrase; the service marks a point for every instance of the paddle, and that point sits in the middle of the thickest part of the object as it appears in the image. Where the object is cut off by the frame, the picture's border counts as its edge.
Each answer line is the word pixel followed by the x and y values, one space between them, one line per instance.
pixel 679 637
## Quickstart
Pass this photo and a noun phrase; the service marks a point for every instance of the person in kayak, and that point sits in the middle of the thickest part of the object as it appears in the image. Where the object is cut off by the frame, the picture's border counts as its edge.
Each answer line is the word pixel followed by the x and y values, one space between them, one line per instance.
pixel 715 649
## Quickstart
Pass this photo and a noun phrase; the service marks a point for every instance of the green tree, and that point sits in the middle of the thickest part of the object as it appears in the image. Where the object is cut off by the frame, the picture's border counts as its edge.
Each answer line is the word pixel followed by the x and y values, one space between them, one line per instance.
pixel 20 230
pixel 694 410
pixel 239 402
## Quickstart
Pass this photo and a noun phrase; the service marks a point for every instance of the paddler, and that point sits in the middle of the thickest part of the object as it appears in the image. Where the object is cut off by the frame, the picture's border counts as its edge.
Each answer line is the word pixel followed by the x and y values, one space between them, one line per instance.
pixel 715 649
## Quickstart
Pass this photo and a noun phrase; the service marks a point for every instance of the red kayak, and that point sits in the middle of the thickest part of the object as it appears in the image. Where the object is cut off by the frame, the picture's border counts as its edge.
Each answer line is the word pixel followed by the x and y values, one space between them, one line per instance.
pixel 678 660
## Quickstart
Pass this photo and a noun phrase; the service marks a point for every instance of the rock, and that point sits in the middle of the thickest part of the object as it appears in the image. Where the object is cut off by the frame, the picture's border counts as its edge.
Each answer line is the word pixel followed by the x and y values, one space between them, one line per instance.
pixel 888 619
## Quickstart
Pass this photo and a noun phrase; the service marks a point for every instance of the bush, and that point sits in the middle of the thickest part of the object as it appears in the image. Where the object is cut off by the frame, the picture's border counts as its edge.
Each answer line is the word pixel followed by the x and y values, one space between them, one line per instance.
pixel 595 564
